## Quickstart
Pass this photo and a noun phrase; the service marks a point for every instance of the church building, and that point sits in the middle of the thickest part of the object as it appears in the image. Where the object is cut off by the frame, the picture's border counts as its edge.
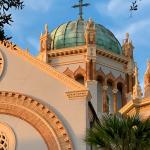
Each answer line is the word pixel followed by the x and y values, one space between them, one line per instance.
pixel 81 72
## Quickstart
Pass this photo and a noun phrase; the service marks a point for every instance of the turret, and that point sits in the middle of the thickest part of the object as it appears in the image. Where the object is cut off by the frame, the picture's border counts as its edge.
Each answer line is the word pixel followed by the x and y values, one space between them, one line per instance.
pixel 127 47
pixel 90 38
pixel 137 91
pixel 45 44
pixel 90 33
pixel 147 81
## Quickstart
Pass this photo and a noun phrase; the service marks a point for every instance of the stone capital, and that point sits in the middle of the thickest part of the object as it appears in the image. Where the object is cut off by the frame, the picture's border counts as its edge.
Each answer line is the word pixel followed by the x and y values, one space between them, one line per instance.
pixel 115 91
pixel 105 87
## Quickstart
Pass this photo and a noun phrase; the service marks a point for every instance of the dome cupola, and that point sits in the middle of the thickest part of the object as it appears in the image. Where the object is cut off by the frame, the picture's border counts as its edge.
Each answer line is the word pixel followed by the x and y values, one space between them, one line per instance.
pixel 72 34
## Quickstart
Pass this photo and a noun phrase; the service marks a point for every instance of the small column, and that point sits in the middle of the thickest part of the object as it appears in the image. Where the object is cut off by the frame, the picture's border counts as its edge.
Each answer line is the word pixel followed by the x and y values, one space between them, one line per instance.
pixel 94 69
pixel 88 70
pixel 115 102
pixel 104 97
pixel 130 83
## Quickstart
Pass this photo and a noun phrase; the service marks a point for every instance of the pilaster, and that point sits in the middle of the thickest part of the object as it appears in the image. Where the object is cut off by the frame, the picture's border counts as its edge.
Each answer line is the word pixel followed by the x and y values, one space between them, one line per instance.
pixel 104 98
pixel 115 102
pixel 92 86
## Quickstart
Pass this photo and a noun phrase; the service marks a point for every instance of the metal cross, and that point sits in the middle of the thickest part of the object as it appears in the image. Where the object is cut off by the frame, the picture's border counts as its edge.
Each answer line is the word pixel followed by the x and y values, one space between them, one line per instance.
pixel 80 6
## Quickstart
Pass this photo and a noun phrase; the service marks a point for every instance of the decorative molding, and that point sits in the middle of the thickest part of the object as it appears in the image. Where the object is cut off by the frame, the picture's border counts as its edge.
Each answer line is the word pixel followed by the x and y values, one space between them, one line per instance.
pixel 39 116
pixel 46 68
pixel 115 91
pixel 7 137
pixel 69 73
pixel 116 57
pixel 67 51
pixel 101 74
pixel 66 63
pixel 120 80
pixel 112 67
pixel 135 105
pixel 110 77
pixel 78 95
pixel 80 71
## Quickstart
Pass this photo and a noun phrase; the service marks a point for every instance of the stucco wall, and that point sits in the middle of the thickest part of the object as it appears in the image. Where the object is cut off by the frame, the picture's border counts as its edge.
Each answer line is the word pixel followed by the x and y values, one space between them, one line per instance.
pixel 27 138
pixel 20 76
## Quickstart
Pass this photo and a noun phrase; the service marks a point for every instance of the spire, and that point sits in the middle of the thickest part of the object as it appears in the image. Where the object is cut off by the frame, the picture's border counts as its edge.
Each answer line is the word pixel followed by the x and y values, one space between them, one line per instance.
pixel 137 92
pixel 46 28
pixel 147 81
pixel 90 33
pixel 127 46
pixel 80 5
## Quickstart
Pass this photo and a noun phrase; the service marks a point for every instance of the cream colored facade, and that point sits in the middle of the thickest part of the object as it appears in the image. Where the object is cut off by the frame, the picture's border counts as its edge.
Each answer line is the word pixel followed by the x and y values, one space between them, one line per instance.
pixel 47 102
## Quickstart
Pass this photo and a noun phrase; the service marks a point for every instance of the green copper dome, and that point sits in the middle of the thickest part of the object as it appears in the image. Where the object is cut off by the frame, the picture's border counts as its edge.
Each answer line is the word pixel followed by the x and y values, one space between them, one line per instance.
pixel 71 34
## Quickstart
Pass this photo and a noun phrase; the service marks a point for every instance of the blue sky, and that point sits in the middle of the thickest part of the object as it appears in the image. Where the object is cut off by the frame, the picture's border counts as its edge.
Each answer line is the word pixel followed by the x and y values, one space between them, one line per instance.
pixel 113 14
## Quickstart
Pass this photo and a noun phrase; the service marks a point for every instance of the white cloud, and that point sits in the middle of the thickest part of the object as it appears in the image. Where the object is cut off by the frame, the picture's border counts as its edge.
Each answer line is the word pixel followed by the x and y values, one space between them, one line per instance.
pixel 134 28
pixel 113 8
pixel 39 5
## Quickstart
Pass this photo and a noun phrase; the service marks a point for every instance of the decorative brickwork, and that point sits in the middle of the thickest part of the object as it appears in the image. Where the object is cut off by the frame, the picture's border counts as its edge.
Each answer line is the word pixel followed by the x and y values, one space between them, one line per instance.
pixel 69 73
pixel 39 116
pixel 80 71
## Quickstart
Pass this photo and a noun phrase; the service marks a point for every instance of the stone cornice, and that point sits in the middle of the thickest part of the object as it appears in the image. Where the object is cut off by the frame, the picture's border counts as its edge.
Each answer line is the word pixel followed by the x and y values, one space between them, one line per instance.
pixel 46 68
pixel 66 63
pixel 67 51
pixel 79 95
pixel 116 57
pixel 135 104
pixel 82 50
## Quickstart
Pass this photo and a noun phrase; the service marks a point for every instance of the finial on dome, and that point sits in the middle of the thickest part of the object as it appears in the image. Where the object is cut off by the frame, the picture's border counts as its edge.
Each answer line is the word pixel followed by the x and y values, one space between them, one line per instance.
pixel 127 47
pixel 41 34
pixel 46 28
pixel 80 5
pixel 127 35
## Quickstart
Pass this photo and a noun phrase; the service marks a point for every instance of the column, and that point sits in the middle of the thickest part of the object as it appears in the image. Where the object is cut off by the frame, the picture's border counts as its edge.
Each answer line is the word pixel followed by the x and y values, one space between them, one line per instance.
pixel 94 69
pixel 130 83
pixel 88 70
pixel 115 101
pixel 124 101
pixel 104 98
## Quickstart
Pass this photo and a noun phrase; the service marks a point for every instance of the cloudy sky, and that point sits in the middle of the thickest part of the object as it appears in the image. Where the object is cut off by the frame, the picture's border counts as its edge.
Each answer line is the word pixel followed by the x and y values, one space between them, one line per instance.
pixel 113 14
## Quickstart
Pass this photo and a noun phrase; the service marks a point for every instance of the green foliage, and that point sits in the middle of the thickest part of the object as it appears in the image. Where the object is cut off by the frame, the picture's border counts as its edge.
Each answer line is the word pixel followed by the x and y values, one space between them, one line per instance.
pixel 118 132
pixel 5 15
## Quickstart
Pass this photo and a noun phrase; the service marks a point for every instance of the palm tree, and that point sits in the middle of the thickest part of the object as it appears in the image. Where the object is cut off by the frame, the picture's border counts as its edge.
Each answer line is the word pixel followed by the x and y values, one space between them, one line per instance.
pixel 118 132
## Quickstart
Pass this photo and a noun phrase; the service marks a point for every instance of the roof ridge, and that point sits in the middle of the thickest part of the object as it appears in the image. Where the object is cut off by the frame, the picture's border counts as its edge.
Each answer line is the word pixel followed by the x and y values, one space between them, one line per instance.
pixel 51 71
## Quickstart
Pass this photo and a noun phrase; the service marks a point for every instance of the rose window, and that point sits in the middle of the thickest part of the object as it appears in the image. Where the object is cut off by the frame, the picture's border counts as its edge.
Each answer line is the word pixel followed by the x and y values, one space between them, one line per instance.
pixel 7 137
pixel 3 141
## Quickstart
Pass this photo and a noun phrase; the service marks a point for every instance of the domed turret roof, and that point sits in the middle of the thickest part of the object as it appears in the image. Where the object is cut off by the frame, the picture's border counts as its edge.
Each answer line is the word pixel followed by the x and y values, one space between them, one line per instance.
pixel 71 34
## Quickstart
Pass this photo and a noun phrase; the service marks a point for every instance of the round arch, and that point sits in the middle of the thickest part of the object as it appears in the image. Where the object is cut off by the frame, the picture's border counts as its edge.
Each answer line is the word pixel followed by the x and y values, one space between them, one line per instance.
pixel 39 116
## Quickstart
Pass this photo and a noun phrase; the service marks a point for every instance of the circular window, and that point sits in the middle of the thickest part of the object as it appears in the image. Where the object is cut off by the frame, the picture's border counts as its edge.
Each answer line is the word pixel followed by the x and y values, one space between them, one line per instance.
pixel 1 63
pixel 3 141
pixel 7 137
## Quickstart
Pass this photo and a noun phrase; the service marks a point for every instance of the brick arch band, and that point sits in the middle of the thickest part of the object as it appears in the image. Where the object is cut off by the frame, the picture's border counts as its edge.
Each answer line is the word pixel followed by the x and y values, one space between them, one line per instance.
pixel 39 116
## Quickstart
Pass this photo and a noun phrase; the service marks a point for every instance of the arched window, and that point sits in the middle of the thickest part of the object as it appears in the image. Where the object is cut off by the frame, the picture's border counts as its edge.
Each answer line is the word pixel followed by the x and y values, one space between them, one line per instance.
pixel 80 78
pixel 100 81
pixel 110 97
pixel 119 95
